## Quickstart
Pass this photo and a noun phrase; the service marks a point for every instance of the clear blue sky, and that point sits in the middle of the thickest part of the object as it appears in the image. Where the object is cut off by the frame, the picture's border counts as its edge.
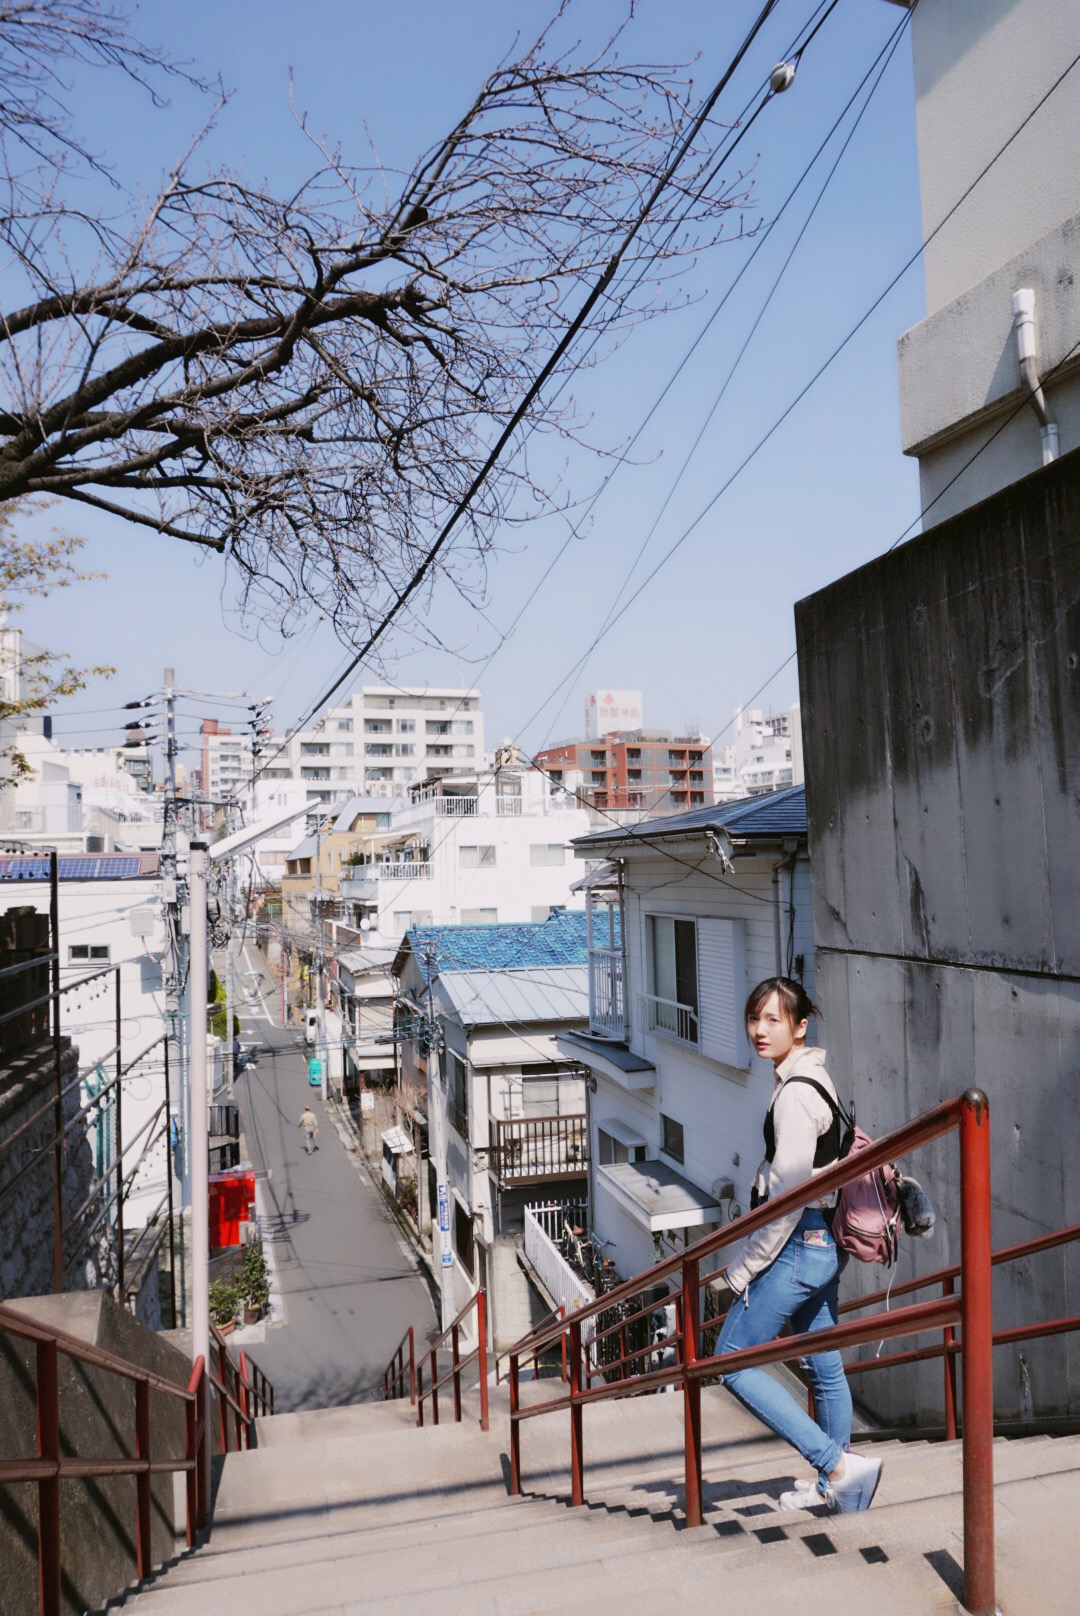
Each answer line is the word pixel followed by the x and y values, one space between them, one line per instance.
pixel 829 491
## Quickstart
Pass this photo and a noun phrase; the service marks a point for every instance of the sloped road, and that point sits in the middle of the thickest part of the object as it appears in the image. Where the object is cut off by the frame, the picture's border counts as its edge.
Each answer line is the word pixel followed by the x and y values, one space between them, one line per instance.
pixel 349 1286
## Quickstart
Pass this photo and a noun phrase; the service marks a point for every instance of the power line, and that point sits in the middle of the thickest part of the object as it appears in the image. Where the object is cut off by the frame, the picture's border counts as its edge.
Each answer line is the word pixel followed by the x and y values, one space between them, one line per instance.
pixel 593 297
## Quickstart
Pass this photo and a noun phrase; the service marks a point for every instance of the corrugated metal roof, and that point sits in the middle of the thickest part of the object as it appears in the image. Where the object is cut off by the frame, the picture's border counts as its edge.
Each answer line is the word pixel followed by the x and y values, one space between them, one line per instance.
pixel 559 940
pixel 491 998
pixel 776 813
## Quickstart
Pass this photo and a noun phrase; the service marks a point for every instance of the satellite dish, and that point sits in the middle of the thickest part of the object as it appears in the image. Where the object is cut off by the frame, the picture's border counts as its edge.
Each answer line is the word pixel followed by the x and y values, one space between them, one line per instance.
pixel 365 925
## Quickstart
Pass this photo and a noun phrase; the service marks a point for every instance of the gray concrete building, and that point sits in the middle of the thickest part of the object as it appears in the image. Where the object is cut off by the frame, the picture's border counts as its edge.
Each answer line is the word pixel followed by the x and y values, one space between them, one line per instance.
pixel 940 685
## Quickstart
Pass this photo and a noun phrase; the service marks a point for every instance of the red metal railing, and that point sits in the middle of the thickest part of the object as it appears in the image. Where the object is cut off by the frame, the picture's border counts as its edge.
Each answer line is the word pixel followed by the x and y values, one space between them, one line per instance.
pixel 559 1312
pixel 969 1115
pixel 50 1467
pixel 951 1348
pixel 393 1378
pixel 243 1390
pixel 393 1382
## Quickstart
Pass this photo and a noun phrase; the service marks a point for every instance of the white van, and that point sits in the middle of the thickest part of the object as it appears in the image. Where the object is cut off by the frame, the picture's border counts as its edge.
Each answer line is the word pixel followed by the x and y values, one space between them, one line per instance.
pixel 311 1026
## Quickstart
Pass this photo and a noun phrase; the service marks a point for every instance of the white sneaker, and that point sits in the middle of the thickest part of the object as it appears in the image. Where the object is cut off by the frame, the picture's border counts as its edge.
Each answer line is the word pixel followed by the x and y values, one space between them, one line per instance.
pixel 804 1495
pixel 856 1488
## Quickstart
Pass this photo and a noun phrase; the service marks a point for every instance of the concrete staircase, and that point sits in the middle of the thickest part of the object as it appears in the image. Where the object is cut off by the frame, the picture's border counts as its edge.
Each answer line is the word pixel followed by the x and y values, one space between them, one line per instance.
pixel 355 1510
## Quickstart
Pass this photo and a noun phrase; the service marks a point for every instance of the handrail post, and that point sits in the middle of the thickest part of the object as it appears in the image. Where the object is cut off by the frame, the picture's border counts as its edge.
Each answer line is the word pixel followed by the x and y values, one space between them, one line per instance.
pixel 420 1394
pixel 434 1356
pixel 143 1518
pixel 562 1344
pixel 691 1390
pixel 455 1362
pixel 482 1360
pixel 948 1288
pixel 191 1478
pixel 976 1320
pixel 48 1445
pixel 577 1450
pixel 412 1367
pixel 515 1430
pixel 242 1398
pixel 204 1448
pixel 223 1407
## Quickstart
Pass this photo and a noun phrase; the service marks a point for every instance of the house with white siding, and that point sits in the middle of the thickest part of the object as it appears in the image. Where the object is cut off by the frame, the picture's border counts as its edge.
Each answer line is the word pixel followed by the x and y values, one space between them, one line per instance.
pixel 692 911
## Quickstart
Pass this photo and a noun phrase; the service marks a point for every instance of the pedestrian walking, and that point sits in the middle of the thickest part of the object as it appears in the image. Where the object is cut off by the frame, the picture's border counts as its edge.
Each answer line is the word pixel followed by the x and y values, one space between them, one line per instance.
pixel 311 1129
pixel 788 1272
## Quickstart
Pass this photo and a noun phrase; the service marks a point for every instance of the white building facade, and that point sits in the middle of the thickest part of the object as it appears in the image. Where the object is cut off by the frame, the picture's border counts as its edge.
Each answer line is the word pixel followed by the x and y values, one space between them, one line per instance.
pixel 710 903
pixel 468 851
pixel 766 755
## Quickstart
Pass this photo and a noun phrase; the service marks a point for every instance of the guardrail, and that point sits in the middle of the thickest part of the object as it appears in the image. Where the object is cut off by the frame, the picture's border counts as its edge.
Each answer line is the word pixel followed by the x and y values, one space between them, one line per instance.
pixel 394 1383
pixel 50 1467
pixel 394 1380
pixel 968 1115
pixel 242 1388
pixel 951 1348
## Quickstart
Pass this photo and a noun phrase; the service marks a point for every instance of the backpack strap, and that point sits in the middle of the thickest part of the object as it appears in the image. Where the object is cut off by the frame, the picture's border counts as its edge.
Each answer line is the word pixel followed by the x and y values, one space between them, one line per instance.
pixel 847 1117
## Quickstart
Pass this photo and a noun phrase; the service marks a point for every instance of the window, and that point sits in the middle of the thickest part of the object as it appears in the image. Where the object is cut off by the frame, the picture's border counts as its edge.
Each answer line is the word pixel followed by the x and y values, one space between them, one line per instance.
pixel 598 778
pixel 406 726
pixel 377 726
pixel 672 1141
pixel 463 1237
pixel 80 952
pixel 403 919
pixel 477 858
pixel 314 749
pixel 547 853
pixel 404 751
pixel 457 1082
pixel 598 759
pixel 342 726
pixel 674 977
pixel 479 917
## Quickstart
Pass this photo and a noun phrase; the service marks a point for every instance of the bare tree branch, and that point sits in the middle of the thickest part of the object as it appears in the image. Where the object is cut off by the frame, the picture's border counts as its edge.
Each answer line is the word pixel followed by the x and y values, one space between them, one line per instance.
pixel 310 383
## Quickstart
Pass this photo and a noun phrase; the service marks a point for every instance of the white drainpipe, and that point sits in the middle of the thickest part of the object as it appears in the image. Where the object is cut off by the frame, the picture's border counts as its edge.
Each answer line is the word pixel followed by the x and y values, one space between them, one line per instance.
pixel 1024 326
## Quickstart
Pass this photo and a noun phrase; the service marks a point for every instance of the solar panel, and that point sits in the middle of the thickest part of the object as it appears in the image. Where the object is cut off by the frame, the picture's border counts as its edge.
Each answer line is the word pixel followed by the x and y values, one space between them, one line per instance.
pixel 71 868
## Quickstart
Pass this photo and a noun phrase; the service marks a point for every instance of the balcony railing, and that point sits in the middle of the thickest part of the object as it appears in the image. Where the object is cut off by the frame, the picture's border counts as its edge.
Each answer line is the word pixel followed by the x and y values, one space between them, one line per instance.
pixel 607 993
pixel 404 870
pixel 531 1149
pixel 456 807
pixel 508 807
pixel 669 1019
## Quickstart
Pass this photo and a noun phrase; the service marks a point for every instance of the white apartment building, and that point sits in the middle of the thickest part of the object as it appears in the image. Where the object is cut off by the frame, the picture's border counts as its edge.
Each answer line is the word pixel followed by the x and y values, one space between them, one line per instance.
pixel 766 755
pixel 677 1095
pixel 467 850
pixel 383 740
pixel 110 916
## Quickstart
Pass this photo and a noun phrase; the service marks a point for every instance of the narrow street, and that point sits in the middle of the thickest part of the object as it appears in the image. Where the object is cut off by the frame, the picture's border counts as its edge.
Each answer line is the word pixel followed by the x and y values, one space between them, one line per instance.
pixel 348 1281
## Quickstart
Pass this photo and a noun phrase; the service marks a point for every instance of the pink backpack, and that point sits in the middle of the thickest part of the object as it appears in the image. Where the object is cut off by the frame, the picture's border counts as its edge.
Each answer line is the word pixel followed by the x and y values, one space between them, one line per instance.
pixel 867 1220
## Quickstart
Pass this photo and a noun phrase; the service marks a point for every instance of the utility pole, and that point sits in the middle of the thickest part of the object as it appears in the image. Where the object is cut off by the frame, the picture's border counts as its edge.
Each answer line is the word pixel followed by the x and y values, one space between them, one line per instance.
pixel 437 1150
pixel 320 1007
pixel 198 1127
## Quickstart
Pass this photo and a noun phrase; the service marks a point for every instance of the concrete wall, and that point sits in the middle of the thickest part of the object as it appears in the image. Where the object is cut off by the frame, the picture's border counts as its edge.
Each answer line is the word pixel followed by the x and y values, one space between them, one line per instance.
pixel 97 1420
pixel 941 695
pixel 980 70
pixel 27 1211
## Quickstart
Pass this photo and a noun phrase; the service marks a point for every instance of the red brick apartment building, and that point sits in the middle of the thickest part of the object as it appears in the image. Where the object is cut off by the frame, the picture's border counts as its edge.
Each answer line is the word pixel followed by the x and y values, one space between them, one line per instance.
pixel 650 769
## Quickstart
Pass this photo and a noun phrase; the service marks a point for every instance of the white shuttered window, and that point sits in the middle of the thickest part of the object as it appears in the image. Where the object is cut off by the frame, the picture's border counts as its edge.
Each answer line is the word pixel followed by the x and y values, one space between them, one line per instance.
pixel 722 988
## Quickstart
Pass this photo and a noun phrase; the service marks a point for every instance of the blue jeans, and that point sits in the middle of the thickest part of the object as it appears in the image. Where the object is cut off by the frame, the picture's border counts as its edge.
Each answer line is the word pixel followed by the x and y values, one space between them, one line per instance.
pixel 799 1286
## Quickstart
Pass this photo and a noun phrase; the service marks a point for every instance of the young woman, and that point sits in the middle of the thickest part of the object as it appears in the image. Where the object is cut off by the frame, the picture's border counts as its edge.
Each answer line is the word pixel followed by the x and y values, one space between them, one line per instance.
pixel 789 1271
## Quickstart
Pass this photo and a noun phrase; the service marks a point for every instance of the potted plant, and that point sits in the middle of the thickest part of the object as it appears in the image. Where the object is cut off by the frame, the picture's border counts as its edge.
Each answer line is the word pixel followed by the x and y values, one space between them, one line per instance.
pixel 224 1305
pixel 253 1284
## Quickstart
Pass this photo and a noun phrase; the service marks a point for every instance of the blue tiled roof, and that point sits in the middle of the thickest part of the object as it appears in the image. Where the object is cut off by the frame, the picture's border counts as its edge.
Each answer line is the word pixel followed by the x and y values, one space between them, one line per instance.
pixel 777 813
pixel 559 940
